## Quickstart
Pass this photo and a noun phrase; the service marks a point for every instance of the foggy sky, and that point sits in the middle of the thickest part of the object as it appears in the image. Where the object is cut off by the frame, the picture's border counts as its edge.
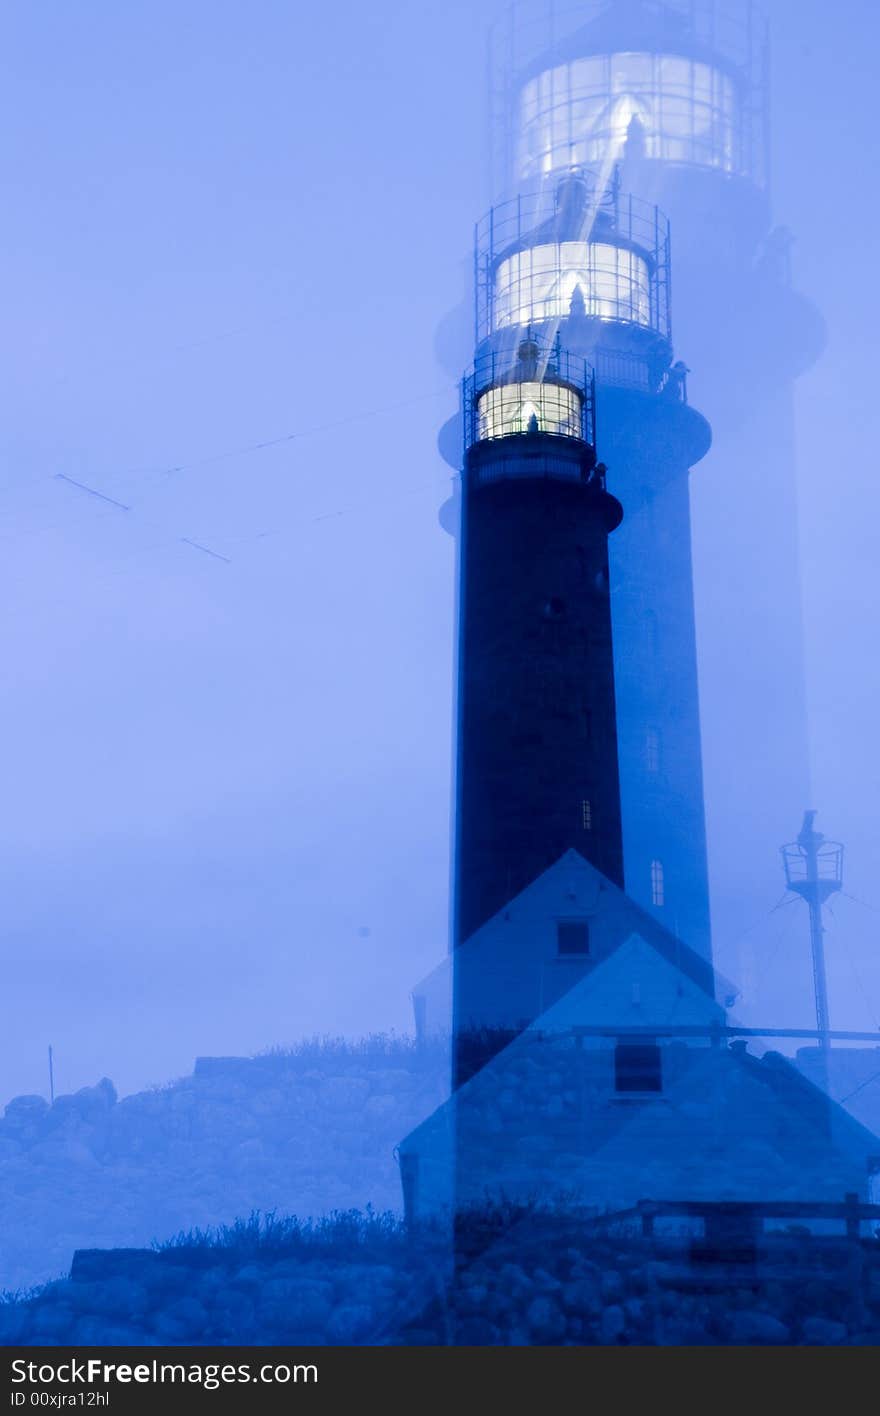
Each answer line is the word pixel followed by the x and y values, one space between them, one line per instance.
pixel 226 781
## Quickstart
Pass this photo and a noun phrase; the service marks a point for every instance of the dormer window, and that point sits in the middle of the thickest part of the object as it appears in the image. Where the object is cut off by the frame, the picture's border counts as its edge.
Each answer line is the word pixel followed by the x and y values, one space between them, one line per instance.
pixel 572 938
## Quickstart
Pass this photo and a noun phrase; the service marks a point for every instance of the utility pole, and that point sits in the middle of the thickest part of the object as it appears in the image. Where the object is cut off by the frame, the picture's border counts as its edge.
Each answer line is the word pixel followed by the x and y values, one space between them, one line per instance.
pixel 814 870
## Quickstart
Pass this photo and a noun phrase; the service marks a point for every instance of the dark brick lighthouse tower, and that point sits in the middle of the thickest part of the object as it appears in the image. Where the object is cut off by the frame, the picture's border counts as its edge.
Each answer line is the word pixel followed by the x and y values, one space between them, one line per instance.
pixel 537 740
pixel 581 263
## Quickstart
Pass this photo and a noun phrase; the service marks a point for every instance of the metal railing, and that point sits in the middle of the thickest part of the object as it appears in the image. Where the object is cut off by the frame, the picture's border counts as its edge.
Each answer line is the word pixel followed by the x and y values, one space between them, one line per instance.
pixel 555 372
pixel 638 292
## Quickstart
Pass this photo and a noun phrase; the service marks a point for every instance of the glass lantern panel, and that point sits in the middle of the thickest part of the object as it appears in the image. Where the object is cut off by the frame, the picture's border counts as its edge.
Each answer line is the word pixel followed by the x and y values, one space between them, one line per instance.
pixel 580 113
pixel 516 407
pixel 539 284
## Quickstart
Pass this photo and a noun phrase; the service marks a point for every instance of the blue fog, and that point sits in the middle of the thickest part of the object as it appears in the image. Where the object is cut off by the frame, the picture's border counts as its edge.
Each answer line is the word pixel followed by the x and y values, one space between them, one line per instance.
pixel 227 764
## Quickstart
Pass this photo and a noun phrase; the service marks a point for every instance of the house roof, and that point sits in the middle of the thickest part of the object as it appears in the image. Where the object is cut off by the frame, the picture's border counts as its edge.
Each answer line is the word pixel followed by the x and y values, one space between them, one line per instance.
pixel 636 986
pixel 573 875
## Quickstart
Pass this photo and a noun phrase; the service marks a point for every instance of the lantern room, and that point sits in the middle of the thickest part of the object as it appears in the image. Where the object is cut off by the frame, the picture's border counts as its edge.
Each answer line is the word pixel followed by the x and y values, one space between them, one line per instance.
pixel 535 392
pixel 594 82
pixel 580 248
pixel 608 107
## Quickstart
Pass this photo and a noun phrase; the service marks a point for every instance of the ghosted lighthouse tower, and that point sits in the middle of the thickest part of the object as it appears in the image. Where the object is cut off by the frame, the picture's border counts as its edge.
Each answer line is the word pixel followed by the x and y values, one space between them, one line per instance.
pixel 674 94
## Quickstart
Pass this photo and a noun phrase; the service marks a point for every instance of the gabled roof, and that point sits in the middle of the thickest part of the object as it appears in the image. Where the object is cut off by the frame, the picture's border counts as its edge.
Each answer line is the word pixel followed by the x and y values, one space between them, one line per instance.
pixel 636 986
pixel 572 876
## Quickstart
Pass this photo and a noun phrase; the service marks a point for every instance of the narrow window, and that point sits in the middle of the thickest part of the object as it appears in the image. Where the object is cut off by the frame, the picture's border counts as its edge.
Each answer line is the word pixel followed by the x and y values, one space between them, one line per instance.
pixel 637 1067
pixel 572 937
pixel 658 887
pixel 586 815
pixel 652 750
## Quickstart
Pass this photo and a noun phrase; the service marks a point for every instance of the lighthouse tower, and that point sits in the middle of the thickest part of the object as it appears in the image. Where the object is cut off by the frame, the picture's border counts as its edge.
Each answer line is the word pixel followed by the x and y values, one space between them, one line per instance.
pixel 537 741
pixel 581 265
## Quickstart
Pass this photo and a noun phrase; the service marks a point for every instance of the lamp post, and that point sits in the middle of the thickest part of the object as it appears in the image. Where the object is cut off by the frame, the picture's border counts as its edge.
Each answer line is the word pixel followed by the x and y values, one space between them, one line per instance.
pixel 814 870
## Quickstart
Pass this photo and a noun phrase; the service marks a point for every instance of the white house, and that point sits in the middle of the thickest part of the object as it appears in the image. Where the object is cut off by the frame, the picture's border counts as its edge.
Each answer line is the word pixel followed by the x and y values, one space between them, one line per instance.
pixel 548 939
pixel 622 1087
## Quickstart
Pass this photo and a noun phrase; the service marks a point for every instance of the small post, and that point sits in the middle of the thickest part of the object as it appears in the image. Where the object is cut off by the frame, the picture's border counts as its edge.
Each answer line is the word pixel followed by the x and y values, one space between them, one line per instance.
pixel 51 1077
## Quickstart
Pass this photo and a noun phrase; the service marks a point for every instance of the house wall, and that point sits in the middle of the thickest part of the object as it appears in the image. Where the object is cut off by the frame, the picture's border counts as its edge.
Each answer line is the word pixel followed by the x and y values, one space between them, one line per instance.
pixel 543 1121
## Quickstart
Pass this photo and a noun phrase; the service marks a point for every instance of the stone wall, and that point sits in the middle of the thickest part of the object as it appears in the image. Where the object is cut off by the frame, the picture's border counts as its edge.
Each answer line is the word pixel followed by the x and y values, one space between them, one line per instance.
pixel 542 1280
pixel 306 1132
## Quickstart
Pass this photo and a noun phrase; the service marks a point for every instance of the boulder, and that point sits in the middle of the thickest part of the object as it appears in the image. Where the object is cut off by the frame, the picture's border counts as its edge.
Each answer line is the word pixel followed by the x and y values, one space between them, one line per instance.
pixel 822 1332
pixel 87 1104
pixel 24 1111
pixel 343 1093
pixel 546 1320
pixel 612 1325
pixel 351 1324
pixel 753 1328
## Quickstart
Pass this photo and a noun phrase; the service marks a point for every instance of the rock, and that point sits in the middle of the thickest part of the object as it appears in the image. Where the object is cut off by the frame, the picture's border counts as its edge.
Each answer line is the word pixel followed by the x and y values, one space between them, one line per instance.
pixel 546 1320
pixel 755 1328
pixel 343 1093
pixel 682 1332
pixel 233 1316
pixel 251 1275
pixel 306 1305
pixel 545 1282
pixel 519 1337
pixel 119 1298
pixel 26 1110
pixel 13 1320
pixel 634 1309
pixel 582 1296
pixel 52 1324
pixel 103 1332
pixel 87 1104
pixel 472 1298
pixel 613 1325
pixel 381 1108
pixel 182 1321
pixel 514 1279
pixel 477 1331
pixel 612 1286
pixel 351 1324
pixel 822 1332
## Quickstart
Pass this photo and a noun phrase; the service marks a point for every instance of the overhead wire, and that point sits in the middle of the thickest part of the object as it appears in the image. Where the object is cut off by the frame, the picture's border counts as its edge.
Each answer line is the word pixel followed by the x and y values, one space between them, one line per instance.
pixel 230 453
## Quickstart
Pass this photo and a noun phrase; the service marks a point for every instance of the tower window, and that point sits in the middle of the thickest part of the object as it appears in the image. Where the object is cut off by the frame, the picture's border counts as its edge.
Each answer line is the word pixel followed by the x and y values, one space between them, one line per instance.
pixel 586 814
pixel 658 884
pixel 572 938
pixel 652 750
pixel 637 1067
